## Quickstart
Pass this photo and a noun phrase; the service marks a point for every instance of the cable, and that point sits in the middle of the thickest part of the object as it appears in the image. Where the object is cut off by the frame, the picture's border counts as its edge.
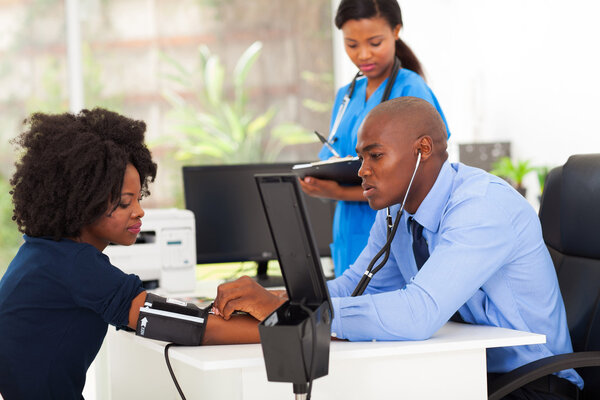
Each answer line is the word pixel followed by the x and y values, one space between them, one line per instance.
pixel 342 109
pixel 368 274
pixel 311 369
pixel 309 372
pixel 366 278
pixel 171 370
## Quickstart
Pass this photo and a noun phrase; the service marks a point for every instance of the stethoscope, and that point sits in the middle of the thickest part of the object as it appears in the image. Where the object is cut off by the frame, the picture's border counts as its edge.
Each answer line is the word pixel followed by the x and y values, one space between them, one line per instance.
pixel 350 92
pixel 391 232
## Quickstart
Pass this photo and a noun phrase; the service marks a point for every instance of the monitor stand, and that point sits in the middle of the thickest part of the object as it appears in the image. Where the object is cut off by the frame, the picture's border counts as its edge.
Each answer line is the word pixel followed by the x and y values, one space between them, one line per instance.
pixel 264 279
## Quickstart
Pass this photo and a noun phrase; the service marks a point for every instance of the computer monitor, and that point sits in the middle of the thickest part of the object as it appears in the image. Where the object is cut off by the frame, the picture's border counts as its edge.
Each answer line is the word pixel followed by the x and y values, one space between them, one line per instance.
pixel 230 221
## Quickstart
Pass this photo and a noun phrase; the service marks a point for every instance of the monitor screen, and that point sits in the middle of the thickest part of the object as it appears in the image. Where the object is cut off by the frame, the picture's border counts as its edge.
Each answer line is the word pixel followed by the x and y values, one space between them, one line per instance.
pixel 230 221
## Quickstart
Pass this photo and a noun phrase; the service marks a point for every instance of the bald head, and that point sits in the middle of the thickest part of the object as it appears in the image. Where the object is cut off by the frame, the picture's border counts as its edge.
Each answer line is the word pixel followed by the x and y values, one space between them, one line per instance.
pixel 418 117
pixel 397 137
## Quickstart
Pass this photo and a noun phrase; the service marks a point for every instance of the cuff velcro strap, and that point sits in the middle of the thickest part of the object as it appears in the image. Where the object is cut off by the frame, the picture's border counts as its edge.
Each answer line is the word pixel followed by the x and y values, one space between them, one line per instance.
pixel 184 327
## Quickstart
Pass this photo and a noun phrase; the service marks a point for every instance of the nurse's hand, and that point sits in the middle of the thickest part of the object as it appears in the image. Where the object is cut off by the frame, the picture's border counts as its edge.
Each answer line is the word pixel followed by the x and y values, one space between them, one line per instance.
pixel 320 187
pixel 244 294
pixel 331 189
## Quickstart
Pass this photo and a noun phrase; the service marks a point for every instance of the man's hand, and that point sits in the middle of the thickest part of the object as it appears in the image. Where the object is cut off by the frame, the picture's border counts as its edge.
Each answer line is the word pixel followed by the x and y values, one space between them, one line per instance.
pixel 244 294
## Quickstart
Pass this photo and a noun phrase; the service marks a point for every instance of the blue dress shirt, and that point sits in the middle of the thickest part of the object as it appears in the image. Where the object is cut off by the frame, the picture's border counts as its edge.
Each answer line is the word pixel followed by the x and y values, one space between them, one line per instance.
pixel 487 259
pixel 353 219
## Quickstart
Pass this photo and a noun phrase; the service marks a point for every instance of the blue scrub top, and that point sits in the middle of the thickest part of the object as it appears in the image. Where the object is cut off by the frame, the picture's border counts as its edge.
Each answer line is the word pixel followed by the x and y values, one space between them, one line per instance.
pixel 353 220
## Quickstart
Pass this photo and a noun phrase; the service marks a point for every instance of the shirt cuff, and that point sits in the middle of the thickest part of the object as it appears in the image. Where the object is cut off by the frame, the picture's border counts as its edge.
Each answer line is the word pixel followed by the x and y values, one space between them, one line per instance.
pixel 336 324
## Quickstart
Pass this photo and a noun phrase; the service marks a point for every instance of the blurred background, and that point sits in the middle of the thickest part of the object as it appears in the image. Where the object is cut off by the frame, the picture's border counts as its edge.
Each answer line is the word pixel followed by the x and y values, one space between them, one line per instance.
pixel 515 78
pixel 258 73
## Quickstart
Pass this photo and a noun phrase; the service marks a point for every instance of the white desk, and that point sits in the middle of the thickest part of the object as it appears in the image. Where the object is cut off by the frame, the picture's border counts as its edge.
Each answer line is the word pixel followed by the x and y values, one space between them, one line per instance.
pixel 450 365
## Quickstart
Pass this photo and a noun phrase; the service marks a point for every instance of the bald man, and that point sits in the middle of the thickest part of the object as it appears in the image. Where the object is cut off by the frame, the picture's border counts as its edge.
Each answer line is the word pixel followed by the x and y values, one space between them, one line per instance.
pixel 466 242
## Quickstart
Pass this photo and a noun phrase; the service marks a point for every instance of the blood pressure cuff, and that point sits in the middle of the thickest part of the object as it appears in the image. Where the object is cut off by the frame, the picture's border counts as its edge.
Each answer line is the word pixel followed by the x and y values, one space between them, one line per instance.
pixel 172 320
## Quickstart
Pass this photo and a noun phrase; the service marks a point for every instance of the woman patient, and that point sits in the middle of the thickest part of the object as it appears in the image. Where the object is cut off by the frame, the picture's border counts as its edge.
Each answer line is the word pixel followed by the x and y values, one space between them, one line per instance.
pixel 77 187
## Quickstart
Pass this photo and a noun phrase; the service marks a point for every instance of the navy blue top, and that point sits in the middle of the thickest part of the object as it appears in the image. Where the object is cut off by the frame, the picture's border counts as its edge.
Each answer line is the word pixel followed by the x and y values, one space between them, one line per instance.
pixel 56 301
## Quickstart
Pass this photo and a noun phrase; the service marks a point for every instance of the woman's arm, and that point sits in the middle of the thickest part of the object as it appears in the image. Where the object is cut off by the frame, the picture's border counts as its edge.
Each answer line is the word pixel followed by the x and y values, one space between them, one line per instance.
pixel 237 329
pixel 331 189
pixel 134 310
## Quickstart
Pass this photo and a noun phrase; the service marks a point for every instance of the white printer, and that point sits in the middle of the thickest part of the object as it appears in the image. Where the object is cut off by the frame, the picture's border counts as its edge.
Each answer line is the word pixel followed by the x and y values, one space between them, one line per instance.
pixel 165 250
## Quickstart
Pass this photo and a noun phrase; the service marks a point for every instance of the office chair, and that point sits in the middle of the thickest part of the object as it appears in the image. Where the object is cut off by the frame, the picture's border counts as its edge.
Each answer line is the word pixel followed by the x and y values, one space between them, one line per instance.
pixel 570 217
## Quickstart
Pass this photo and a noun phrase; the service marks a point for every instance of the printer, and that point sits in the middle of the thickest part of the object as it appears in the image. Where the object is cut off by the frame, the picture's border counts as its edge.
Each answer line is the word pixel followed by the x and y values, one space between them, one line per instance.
pixel 164 253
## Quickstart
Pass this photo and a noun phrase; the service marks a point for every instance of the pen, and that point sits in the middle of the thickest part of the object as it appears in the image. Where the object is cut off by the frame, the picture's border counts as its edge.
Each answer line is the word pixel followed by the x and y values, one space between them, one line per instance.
pixel 326 143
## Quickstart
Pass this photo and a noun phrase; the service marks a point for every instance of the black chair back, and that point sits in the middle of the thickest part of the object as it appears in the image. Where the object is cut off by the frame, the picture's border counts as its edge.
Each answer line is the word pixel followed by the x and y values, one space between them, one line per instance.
pixel 570 218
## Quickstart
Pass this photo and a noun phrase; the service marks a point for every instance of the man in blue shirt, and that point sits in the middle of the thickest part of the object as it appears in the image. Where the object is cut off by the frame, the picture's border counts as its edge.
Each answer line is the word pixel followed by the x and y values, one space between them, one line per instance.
pixel 486 255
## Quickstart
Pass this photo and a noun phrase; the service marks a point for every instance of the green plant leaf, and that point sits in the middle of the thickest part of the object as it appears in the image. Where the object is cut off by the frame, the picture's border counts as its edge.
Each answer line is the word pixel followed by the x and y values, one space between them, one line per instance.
pixel 177 79
pixel 183 74
pixel 174 98
pixel 240 74
pixel 214 75
pixel 292 133
pixel 203 55
pixel 260 122
pixel 316 79
pixel 503 168
pixel 515 173
pixel 199 150
pixel 234 124
pixel 521 170
pixel 215 128
pixel 245 62
pixel 542 173
pixel 316 106
pixel 10 237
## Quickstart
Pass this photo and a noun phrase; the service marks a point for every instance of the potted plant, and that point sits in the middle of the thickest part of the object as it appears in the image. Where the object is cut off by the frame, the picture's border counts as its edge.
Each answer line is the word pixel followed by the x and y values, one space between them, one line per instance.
pixel 542 174
pixel 217 128
pixel 512 172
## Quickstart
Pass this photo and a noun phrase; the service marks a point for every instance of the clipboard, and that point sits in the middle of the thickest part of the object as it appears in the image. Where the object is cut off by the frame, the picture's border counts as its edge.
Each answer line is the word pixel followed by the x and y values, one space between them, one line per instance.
pixel 342 170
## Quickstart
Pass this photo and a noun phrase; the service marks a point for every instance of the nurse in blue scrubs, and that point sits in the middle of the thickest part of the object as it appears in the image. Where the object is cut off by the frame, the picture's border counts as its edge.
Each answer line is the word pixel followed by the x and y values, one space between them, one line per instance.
pixel 387 69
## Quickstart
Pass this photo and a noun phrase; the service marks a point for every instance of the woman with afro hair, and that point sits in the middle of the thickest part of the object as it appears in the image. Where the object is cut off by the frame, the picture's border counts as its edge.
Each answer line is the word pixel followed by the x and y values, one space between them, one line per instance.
pixel 77 188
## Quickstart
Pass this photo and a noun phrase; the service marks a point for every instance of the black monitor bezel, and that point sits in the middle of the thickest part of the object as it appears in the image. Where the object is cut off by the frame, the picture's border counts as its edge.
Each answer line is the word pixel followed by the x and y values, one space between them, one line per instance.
pixel 311 288
pixel 230 255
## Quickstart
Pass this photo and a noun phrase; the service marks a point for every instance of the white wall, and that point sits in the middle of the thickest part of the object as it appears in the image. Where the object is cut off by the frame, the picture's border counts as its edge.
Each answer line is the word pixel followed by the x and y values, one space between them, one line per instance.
pixel 526 71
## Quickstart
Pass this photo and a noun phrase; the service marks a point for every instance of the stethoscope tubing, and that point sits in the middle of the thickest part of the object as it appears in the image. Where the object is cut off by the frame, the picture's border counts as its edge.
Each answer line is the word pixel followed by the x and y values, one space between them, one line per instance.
pixel 342 110
pixel 391 232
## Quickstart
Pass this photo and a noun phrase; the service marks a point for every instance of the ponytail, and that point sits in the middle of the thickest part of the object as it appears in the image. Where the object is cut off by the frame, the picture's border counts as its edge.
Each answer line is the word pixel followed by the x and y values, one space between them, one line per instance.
pixel 408 59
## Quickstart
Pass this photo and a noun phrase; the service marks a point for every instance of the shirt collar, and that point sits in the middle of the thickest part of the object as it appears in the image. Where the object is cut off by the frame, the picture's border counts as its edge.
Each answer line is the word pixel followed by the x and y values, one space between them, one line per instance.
pixel 429 213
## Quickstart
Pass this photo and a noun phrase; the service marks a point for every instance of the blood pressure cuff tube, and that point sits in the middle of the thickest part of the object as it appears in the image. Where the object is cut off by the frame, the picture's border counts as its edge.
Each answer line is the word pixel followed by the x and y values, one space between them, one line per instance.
pixel 172 320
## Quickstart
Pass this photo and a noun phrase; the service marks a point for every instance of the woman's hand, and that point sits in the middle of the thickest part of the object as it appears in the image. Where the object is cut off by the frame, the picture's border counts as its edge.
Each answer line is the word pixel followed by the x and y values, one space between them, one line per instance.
pixel 244 294
pixel 320 187
pixel 331 189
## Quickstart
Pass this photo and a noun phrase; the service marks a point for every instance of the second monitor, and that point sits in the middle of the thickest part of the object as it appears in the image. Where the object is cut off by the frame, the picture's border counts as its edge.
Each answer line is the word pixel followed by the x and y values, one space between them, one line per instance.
pixel 230 222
